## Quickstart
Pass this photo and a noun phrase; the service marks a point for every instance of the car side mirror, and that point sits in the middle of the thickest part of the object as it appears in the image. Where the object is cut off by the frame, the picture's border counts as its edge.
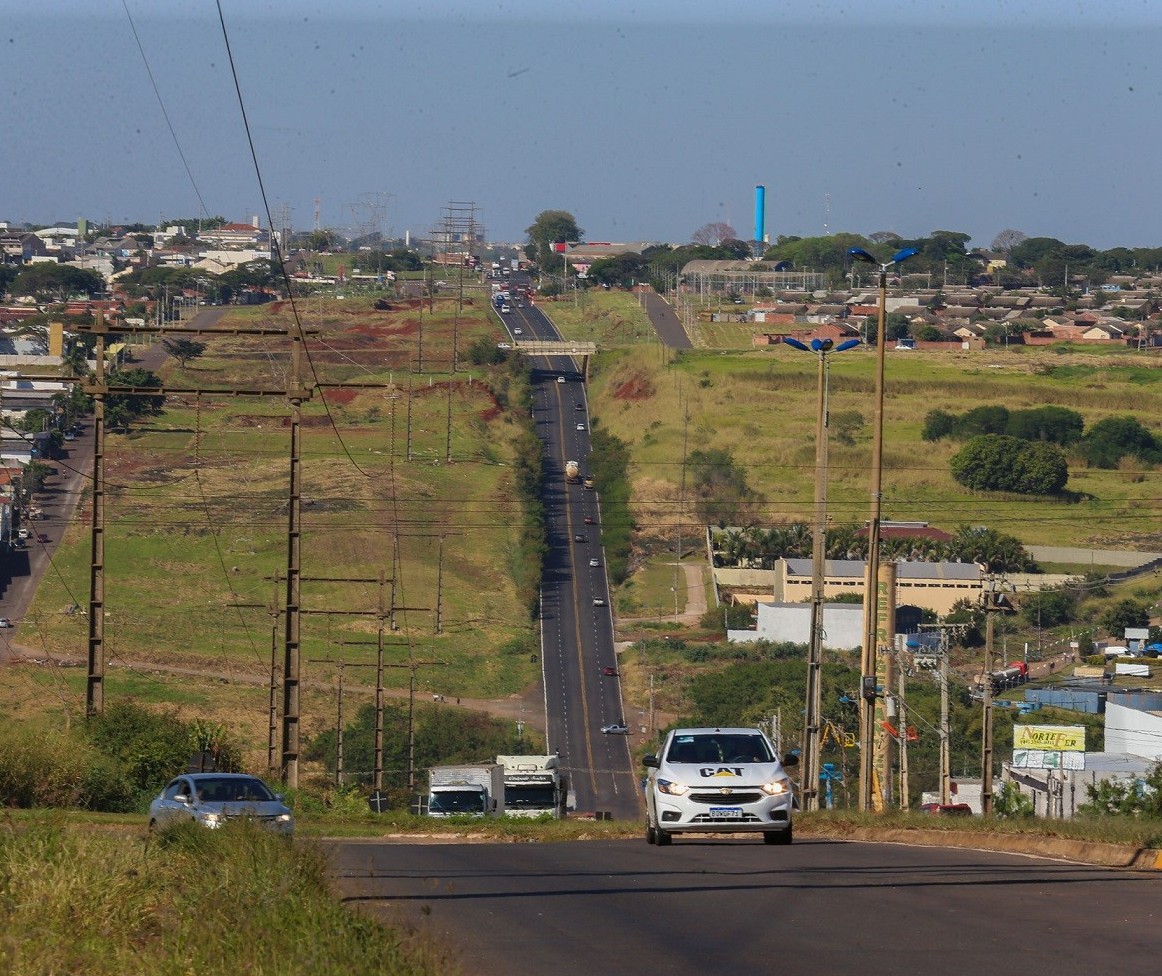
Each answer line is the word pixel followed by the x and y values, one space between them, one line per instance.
pixel 181 798
pixel 790 759
pixel 651 761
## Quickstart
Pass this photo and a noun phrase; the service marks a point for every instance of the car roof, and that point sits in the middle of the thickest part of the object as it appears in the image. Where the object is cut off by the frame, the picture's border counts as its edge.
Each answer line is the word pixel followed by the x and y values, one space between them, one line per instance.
pixel 716 731
pixel 200 776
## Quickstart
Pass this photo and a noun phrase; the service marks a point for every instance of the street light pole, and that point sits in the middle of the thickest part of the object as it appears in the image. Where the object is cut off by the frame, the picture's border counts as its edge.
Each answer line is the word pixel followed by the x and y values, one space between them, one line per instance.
pixel 868 657
pixel 810 759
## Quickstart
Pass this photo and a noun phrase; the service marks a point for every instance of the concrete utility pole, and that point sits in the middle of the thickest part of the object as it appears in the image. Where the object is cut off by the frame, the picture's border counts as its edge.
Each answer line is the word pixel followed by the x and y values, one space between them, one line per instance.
pixel 945 732
pixel 986 736
pixel 902 728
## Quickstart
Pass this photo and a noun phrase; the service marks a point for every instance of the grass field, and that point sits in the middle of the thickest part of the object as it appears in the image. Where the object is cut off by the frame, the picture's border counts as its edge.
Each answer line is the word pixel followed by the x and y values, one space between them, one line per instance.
pixel 394 472
pixel 609 318
pixel 760 405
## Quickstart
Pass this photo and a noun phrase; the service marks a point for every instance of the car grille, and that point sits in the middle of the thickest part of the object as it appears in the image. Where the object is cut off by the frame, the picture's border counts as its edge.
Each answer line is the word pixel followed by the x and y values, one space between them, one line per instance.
pixel 725 799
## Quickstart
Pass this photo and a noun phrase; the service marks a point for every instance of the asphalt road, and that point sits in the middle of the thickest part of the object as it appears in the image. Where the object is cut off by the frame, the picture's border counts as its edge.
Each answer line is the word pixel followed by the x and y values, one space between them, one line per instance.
pixel 576 633
pixel 699 907
pixel 665 322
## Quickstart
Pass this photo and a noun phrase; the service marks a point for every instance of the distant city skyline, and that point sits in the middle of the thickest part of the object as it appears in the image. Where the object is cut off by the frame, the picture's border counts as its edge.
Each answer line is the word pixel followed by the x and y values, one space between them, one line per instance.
pixel 645 122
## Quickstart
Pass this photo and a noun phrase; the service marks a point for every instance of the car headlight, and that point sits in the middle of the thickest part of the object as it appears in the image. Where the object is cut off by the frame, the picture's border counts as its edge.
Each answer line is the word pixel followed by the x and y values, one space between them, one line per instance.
pixel 212 818
pixel 283 818
pixel 776 787
pixel 672 788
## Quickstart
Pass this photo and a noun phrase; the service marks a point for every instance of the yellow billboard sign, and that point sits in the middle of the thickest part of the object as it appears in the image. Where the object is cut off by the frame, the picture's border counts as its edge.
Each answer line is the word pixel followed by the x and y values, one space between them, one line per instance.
pixel 1059 738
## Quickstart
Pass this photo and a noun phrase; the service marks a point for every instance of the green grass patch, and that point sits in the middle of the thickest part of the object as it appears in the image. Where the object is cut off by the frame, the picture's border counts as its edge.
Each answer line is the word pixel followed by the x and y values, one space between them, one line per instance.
pixel 609 318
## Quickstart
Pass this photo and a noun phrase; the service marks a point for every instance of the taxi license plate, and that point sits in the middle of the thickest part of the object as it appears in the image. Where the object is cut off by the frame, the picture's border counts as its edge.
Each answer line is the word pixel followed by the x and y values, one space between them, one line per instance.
pixel 726 813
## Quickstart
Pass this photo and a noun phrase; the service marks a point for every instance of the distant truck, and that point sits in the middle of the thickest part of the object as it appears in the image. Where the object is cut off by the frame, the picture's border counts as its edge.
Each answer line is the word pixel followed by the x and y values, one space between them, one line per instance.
pixel 466 791
pixel 1017 673
pixel 534 786
pixel 572 472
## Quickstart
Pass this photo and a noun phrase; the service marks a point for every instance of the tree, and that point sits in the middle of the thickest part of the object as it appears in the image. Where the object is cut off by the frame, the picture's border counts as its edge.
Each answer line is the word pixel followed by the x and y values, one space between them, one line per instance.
pixel 551 227
pixel 183 350
pixel 56 281
pixel 1111 439
pixel 1125 613
pixel 121 409
pixel 1054 425
pixel 1006 240
pixel 1049 608
pixel 720 487
pixel 938 424
pixel 997 462
pixel 713 233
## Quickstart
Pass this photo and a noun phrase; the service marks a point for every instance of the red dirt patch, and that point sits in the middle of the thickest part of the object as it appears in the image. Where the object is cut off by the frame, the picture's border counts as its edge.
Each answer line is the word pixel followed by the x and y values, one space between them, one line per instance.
pixel 339 396
pixel 637 387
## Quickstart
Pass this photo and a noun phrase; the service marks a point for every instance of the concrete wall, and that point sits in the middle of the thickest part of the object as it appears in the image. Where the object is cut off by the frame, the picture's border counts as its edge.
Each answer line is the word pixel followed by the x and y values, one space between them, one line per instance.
pixel 791 623
pixel 1132 730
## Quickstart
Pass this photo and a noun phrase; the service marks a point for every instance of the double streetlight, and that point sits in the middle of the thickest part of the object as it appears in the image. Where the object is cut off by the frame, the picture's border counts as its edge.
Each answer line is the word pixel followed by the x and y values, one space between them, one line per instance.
pixel 871 635
pixel 809 781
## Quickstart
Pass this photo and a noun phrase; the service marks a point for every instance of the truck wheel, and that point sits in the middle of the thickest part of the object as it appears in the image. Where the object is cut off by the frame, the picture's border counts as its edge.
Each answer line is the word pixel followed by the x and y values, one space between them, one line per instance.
pixel 661 838
pixel 782 837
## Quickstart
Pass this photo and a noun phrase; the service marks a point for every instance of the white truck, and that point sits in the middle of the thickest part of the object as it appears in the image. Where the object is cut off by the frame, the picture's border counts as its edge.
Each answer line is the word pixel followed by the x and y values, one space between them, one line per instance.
pixel 534 786
pixel 466 791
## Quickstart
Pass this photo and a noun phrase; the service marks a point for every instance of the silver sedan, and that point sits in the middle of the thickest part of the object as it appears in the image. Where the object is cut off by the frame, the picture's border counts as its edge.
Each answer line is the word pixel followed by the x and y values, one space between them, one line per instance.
pixel 213 799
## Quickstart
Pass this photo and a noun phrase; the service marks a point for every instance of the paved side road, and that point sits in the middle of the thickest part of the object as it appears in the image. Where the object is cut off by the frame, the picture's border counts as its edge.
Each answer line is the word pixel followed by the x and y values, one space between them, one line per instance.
pixel 665 321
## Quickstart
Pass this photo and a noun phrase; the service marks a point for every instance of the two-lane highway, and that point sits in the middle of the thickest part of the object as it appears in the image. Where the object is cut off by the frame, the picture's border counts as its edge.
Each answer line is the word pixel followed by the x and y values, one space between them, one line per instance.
pixel 582 687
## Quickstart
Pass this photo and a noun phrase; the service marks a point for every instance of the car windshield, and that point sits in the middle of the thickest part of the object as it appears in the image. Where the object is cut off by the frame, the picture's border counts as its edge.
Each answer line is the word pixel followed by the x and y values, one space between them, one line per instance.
pixel 231 790
pixel 719 747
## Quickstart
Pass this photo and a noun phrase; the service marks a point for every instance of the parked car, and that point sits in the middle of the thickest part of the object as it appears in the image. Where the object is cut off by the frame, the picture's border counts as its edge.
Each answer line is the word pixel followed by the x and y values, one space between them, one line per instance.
pixel 41 537
pixel 617 728
pixel 23 533
pixel 725 780
pixel 5 623
pixel 213 799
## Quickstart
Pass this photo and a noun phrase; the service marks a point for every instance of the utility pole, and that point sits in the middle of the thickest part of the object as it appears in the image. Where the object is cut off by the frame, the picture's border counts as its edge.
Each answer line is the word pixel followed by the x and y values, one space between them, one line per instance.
pixel 945 743
pixel 986 737
pixel 902 727
pixel 95 688
pixel 272 707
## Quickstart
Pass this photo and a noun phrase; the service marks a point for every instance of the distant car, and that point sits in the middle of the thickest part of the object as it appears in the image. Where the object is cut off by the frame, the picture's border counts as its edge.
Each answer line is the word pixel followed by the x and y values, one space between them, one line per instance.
pixel 947 809
pixel 594 563
pixel 504 309
pixel 578 537
pixel 578 406
pixel 213 799
pixel 504 345
pixel 517 332
pixel 70 436
pixel 588 519
pixel 580 426
pixel 23 533
pixel 609 672
pixel 617 728
pixel 5 623
pixel 560 379
pixel 598 601
pixel 41 537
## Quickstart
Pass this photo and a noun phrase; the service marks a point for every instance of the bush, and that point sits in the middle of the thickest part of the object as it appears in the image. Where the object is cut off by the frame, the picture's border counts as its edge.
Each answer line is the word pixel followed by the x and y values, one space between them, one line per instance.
pixel 997 462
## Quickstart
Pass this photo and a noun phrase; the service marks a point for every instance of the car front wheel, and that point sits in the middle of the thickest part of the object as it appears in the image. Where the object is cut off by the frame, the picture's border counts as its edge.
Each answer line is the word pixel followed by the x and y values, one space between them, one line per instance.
pixel 778 836
pixel 651 834
pixel 661 838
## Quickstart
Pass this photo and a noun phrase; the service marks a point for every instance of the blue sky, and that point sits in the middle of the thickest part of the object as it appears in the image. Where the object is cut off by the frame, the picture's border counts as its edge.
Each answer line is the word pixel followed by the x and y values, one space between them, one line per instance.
pixel 645 119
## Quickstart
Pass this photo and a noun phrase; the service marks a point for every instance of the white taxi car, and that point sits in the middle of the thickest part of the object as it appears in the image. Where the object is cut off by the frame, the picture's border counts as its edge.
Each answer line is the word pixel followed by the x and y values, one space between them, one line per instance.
pixel 718 781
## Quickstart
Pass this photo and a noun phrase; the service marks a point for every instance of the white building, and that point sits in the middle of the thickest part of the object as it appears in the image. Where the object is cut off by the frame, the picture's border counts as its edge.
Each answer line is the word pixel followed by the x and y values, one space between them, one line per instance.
pixel 791 623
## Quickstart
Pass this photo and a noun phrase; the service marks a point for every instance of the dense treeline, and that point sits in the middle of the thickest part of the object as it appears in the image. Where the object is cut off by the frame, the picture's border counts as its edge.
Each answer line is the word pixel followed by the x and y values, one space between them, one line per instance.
pixel 1023 451
pixel 761 548
pixel 609 462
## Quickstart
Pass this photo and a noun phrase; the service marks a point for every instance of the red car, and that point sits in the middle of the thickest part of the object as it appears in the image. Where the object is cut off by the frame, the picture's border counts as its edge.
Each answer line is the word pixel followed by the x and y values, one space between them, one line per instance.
pixel 588 519
pixel 609 672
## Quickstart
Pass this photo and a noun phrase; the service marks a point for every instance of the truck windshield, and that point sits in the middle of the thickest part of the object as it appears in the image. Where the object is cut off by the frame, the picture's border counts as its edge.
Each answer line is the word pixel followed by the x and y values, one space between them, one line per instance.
pixel 456 801
pixel 529 797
